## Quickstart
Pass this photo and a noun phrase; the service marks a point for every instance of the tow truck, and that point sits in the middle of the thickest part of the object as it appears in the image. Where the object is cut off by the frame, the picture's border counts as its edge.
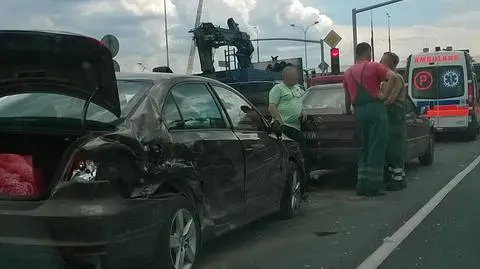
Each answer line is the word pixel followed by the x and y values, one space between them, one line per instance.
pixel 209 37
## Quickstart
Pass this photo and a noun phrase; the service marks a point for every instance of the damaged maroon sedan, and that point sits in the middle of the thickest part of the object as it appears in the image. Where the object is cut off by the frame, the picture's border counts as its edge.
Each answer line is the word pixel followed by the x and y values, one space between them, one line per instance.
pixel 105 170
pixel 332 135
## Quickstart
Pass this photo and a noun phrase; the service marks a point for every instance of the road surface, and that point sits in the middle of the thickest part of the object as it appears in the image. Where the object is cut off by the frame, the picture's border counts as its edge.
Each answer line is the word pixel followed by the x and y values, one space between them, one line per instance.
pixel 337 229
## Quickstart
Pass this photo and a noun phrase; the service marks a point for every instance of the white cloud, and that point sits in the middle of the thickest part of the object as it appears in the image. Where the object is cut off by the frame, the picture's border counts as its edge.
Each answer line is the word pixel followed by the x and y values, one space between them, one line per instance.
pixel 243 7
pixel 142 7
pixel 298 10
pixel 139 25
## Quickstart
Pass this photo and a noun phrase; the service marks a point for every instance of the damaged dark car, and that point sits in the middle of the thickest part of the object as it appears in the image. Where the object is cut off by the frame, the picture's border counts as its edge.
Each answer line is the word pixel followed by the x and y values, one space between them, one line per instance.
pixel 332 134
pixel 105 170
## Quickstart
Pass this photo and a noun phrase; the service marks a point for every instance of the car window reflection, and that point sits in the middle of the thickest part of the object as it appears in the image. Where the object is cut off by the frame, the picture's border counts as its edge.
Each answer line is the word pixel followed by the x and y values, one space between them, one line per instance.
pixel 242 115
pixel 325 97
pixel 197 107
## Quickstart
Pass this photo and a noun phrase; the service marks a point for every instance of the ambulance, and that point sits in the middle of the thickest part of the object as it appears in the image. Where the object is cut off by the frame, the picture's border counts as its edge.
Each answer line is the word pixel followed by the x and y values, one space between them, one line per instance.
pixel 443 86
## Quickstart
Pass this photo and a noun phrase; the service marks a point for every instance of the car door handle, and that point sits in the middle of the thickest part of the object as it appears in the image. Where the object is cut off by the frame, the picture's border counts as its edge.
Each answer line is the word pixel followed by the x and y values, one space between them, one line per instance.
pixel 258 146
pixel 254 147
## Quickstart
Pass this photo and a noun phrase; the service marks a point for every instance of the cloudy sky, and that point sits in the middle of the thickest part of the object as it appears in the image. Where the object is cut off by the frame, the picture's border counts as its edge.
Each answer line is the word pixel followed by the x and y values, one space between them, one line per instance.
pixel 139 25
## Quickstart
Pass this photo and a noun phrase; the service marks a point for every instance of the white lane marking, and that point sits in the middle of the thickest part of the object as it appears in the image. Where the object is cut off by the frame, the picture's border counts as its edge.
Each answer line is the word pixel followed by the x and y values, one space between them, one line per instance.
pixel 391 243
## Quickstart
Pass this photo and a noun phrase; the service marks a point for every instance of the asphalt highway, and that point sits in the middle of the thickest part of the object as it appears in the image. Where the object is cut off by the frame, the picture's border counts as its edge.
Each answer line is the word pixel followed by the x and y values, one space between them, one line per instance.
pixel 337 229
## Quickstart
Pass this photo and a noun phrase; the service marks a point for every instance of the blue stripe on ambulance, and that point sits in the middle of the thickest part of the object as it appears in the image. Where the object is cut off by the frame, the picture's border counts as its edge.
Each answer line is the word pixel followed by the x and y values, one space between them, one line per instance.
pixel 438 102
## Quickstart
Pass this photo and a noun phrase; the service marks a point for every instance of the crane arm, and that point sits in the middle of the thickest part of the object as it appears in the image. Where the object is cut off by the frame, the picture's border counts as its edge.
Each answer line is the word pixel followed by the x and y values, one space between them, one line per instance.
pixel 207 37
pixel 192 47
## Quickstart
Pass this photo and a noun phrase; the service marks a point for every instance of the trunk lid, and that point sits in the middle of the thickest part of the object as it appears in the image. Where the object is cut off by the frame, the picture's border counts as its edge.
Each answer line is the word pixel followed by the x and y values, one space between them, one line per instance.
pixel 58 62
pixel 330 127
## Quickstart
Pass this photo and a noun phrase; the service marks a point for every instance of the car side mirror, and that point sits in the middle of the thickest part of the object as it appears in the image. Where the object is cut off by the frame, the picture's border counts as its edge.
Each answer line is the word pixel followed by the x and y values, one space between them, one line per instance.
pixel 276 129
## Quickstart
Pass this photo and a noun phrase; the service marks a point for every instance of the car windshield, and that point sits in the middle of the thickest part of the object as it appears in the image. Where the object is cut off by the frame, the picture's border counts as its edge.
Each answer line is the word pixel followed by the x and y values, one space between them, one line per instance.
pixel 54 105
pixel 326 96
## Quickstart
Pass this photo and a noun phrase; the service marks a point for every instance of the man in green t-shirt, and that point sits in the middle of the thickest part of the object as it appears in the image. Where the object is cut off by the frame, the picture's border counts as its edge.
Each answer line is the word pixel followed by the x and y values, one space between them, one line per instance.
pixel 286 109
pixel 285 103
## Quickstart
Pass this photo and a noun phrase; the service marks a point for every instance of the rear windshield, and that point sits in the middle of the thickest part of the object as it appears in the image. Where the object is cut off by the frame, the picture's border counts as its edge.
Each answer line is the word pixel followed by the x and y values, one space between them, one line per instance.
pixel 54 105
pixel 325 80
pixel 325 97
pixel 438 82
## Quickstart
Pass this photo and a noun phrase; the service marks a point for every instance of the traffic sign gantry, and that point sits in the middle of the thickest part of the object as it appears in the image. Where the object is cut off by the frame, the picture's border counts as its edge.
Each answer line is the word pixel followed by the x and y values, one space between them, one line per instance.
pixel 332 39
pixel 111 42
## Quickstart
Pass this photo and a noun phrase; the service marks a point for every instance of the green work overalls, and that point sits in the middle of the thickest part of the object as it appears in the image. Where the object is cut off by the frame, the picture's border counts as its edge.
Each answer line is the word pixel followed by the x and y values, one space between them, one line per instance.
pixel 372 126
pixel 397 137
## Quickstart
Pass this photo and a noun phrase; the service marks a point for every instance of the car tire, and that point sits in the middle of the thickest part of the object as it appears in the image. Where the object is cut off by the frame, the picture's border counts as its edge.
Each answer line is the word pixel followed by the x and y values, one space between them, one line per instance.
pixel 429 156
pixel 471 134
pixel 181 216
pixel 293 192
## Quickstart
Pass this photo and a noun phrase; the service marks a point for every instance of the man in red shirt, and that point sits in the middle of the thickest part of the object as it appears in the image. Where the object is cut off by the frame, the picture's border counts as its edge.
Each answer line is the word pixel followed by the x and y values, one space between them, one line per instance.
pixel 362 88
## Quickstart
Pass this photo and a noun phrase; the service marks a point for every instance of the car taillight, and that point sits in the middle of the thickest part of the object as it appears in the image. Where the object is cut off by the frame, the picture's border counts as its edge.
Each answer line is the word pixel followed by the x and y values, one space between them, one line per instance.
pixel 84 171
pixel 471 94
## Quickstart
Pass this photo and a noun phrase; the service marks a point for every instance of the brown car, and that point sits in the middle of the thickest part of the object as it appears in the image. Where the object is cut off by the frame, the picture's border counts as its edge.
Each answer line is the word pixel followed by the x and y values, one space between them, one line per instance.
pixel 332 134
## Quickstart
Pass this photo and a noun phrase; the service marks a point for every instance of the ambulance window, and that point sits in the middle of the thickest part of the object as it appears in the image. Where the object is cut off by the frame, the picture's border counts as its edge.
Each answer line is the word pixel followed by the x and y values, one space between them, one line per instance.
pixel 438 82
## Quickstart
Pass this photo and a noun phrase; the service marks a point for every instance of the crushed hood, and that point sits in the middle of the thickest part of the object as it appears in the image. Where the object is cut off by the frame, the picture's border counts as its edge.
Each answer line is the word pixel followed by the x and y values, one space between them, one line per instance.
pixel 58 62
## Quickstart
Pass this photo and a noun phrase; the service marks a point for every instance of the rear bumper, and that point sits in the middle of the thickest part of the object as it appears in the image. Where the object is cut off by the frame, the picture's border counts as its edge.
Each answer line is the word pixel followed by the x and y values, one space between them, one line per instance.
pixel 108 231
pixel 333 158
pixel 451 129
pixel 449 124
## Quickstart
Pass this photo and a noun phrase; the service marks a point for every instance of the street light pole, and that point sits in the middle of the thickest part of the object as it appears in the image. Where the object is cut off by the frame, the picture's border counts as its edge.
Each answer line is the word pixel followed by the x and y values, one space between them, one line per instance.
pixel 305 30
pixel 166 31
pixel 258 46
pixel 305 44
pixel 389 39
pixel 360 10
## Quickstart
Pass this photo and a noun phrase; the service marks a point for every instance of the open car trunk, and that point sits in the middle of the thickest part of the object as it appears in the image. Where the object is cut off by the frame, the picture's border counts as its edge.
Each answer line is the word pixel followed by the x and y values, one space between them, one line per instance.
pixel 47 63
pixel 29 163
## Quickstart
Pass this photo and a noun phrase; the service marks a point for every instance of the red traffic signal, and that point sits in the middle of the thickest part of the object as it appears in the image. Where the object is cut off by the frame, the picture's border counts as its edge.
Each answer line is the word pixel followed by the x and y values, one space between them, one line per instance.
pixel 335 61
pixel 334 52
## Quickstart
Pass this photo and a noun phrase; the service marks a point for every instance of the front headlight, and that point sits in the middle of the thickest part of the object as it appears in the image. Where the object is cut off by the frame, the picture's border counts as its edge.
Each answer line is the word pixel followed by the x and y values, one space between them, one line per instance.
pixel 432 122
pixel 85 171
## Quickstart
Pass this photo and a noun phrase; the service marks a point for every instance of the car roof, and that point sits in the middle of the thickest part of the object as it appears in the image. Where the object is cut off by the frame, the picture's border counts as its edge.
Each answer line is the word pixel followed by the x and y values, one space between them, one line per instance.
pixel 146 75
pixel 323 86
pixel 157 77
pixel 258 81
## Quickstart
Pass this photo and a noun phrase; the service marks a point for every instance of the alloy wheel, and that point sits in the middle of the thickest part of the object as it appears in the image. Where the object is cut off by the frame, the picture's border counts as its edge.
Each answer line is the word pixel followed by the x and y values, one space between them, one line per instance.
pixel 296 192
pixel 183 239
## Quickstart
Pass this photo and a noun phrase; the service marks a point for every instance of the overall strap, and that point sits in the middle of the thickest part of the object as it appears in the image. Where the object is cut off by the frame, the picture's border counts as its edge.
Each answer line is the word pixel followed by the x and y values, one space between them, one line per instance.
pixel 359 85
